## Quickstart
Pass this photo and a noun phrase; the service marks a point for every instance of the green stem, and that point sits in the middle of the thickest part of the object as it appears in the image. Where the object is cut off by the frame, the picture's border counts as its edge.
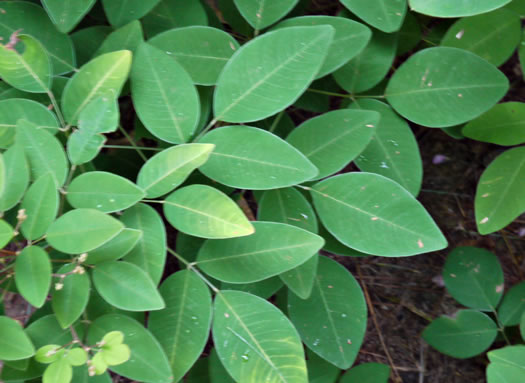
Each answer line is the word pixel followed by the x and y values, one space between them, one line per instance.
pixel 131 147
pixel 191 266
pixel 132 142
pixel 351 96
pixel 205 130
pixel 57 109
pixel 276 121
pixel 64 189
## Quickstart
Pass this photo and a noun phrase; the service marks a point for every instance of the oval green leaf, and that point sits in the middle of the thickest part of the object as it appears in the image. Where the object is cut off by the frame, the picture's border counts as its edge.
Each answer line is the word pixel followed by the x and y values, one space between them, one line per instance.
pixel 255 341
pixel 83 146
pixel 274 82
pixel 120 12
pixel 261 13
pixel 512 306
pixel 82 230
pixel 454 8
pixel 129 37
pixel 203 211
pixel 16 177
pixel 66 15
pixel 386 219
pixel 115 248
pixel 70 301
pixel 6 233
pixel 14 343
pixel 273 249
pixel 450 86
pixel 385 15
pixel 251 158
pixel 164 96
pixel 367 373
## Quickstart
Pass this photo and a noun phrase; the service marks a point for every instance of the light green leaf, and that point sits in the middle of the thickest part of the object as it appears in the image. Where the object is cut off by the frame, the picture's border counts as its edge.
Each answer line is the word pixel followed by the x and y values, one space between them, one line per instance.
pixel 121 12
pixel 14 343
pixel 6 233
pixel 499 197
pixel 103 191
pixel 332 140
pixel 262 13
pixel 169 14
pixel 29 71
pixel 16 177
pixel 67 14
pixel 384 15
pixel 386 219
pixel 16 109
pixel 206 212
pixel 450 86
pixel 43 151
pixel 128 37
pixel 49 353
pixel 349 40
pixel 150 252
pixel 505 373
pixel 255 341
pixel 126 286
pixel 466 335
pixel 101 115
pixel 33 20
pixel 251 158
pixel 164 96
pixel 83 146
pixel 510 355
pixel 473 276
pixel 103 76
pixel 115 248
pixel 201 51
pixel 41 207
pixel 82 230
pixel 273 249
pixel 393 151
pixel 368 68
pixel 504 124
pixel 275 81
pixel 59 371
pixel 332 321
pixel 512 306
pixel 188 300
pixel 76 356
pixel 148 362
pixel 481 35
pixel 367 373
pixel 70 301
pixel 264 289
pixel 33 275
pixel 168 169
pixel 454 8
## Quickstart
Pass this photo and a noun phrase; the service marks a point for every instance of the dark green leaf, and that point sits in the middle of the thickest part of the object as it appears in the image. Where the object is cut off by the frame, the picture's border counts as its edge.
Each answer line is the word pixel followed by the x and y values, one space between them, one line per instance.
pixel 67 14
pixel 127 37
pixel 367 373
pixel 261 13
pixel 385 15
pixel 120 12
pixel 512 306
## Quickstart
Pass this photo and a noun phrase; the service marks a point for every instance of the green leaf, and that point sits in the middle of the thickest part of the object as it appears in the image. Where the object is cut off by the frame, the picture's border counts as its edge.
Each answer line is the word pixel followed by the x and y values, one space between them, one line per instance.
pixel 319 370
pixel 504 124
pixel 450 86
pixel 386 219
pixel 103 191
pixel 188 246
pixel 81 375
pixel 274 81
pixel 58 372
pixel 510 356
pixel 16 177
pixel 217 372
pixel 169 14
pixel 466 335
pixel 384 15
pixel 83 146
pixel 126 286
pixel 66 15
pixel 82 230
pixel 522 327
pixel 43 151
pixel 201 51
pixel 454 8
pixel 115 248
pixel 505 373
pixel 512 306
pixel 332 321
pixel 261 13
pixel 128 37
pixel 33 20
pixel 101 115
pixel 6 233
pixel 410 34
pixel 367 373
pixel 29 71
pixel 332 140
pixel 393 151
pixel 49 353
pixel 206 212
pixel 14 343
pixel 150 252
pixel 41 207
pixel 273 249
pixel 349 40
pixel 168 169
pixel 252 158
pixel 33 275
pixel 164 96
pixel 188 300
pixel 369 67
pixel 120 12
pixel 88 40
pixel 148 362
pixel 473 276
pixel 16 109
pixel 255 341
pixel 470 33
pixel 264 289
pixel 70 301
pixel 103 76
pixel 499 198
